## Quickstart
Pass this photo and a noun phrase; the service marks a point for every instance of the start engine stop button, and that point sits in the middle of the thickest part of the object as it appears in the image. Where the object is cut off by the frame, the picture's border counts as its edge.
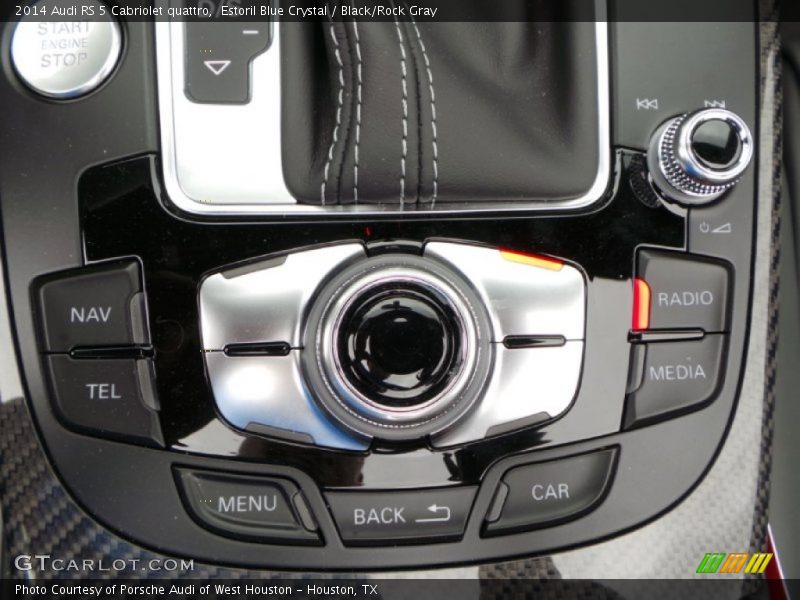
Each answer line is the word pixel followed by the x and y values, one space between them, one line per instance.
pixel 66 59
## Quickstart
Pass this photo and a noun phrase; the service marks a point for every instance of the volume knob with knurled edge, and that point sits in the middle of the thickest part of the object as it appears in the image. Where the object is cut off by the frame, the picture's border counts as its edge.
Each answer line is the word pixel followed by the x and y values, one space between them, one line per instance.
pixel 696 157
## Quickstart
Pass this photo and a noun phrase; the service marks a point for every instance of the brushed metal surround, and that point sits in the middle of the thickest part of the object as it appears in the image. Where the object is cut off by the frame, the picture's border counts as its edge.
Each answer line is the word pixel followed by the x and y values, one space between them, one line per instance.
pixel 301 297
pixel 226 159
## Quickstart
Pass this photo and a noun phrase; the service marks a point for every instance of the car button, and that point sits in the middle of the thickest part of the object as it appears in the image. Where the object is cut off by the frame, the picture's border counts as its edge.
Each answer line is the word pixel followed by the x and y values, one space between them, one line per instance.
pixel 115 397
pixel 546 493
pixel 686 291
pixel 413 516
pixel 674 376
pixel 94 307
pixel 249 507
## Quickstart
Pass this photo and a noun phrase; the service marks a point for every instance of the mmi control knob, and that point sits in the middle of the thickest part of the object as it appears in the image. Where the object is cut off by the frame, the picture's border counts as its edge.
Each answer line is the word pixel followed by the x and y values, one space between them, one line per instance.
pixel 694 158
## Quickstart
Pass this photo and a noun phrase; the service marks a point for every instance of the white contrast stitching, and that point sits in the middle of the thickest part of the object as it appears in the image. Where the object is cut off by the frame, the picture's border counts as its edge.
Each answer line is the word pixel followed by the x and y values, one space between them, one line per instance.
pixel 358 112
pixel 404 153
pixel 434 131
pixel 340 103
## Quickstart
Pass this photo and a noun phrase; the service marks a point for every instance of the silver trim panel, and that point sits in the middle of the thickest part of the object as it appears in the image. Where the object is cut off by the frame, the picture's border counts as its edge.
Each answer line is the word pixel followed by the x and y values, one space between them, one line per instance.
pixel 269 391
pixel 265 301
pixel 525 382
pixel 226 159
pixel 521 299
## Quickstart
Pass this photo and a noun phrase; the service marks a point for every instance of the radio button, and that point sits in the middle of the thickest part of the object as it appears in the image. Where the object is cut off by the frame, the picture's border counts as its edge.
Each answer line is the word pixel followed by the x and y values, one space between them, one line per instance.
pixel 686 291
pixel 675 376
pixel 547 493
pixel 94 307
pixel 249 507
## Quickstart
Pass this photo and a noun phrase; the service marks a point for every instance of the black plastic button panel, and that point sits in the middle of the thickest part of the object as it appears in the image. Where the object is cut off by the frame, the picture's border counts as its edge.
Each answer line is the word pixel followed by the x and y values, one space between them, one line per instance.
pixel 94 307
pixel 267 509
pixel 672 377
pixel 414 516
pixel 93 326
pixel 544 494
pixel 677 363
pixel 686 291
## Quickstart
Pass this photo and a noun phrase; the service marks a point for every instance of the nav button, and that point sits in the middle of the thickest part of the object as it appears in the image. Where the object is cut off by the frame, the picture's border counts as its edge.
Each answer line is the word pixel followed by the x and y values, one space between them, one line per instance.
pixel 96 306
pixel 397 516
pixel 544 494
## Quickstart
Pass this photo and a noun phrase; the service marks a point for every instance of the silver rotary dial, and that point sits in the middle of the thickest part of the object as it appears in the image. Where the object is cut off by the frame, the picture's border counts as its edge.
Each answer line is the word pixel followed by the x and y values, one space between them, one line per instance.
pixel 696 157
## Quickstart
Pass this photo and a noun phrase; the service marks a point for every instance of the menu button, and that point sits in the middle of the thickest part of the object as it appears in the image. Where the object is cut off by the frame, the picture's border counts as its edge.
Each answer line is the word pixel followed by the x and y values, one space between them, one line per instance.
pixel 249 507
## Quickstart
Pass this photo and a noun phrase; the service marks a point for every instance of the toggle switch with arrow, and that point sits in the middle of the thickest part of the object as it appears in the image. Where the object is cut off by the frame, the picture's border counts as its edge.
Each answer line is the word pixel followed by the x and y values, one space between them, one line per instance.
pixel 217 59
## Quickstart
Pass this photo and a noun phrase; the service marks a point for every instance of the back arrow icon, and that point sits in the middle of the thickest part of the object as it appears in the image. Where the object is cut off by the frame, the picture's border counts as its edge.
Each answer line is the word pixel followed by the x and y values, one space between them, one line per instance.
pixel 444 511
pixel 216 66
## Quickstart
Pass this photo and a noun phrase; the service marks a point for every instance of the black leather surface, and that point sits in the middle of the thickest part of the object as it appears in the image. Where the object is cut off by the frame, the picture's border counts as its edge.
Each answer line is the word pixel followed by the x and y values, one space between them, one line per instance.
pixel 401 112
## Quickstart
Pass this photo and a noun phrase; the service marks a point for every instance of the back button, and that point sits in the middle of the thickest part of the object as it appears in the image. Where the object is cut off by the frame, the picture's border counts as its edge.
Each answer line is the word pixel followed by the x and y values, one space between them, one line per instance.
pixel 394 516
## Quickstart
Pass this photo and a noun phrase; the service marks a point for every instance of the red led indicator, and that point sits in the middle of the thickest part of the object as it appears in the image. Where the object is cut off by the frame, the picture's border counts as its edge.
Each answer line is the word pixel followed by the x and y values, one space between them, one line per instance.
pixel 641 305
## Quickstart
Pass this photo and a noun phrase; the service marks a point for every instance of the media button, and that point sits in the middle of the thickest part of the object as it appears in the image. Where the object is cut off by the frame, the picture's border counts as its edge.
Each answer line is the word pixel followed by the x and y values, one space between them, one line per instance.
pixel 397 516
pixel 675 376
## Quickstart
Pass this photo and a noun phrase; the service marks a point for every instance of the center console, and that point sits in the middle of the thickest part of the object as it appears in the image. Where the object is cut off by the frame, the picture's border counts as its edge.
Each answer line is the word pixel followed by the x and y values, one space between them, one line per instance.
pixel 349 295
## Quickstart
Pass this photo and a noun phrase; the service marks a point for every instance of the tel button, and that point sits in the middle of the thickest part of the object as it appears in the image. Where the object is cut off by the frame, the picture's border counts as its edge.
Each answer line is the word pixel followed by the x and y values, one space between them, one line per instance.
pixel 248 507
pixel 686 291
pixel 93 307
pixel 417 515
pixel 546 493
pixel 115 398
